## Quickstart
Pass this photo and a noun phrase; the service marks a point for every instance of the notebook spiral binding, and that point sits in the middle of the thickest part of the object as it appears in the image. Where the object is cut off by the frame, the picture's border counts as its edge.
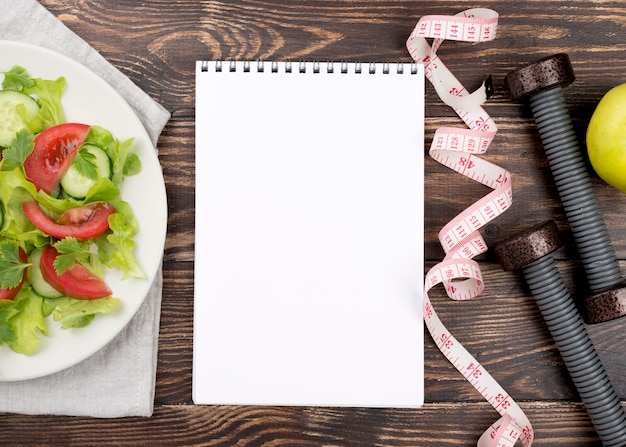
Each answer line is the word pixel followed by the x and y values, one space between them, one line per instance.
pixel 302 66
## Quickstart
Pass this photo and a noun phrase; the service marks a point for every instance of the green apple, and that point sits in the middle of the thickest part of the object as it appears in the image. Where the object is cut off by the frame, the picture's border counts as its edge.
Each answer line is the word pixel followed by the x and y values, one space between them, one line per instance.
pixel 606 138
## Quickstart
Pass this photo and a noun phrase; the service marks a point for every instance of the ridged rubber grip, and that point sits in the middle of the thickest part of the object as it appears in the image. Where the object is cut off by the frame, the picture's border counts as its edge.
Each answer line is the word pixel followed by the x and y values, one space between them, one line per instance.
pixel 580 357
pixel 575 190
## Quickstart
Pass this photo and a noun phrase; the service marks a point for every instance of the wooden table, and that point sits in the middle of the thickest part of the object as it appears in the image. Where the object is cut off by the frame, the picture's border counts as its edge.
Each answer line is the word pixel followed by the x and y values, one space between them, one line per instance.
pixel 156 43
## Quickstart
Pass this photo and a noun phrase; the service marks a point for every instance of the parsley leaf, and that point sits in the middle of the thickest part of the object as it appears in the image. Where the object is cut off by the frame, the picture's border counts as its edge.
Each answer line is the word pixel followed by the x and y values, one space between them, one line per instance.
pixel 11 266
pixel 7 334
pixel 71 250
pixel 21 147
pixel 17 78
pixel 85 163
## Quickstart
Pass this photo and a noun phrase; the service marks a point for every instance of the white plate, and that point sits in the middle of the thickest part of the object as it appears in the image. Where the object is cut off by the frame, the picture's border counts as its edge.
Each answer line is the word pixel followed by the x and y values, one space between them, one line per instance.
pixel 91 100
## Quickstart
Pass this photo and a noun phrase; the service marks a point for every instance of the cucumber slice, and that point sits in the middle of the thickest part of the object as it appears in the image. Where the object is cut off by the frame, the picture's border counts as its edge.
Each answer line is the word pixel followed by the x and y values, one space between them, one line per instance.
pixel 40 285
pixel 12 122
pixel 77 185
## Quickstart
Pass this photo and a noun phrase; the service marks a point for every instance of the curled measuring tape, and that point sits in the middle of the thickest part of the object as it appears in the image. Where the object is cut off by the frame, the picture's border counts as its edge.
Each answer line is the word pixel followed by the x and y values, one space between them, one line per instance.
pixel 458 149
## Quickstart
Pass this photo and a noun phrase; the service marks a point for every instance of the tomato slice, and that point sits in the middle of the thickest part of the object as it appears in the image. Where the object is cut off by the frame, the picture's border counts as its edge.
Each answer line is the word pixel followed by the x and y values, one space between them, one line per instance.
pixel 83 222
pixel 52 153
pixel 77 282
pixel 9 294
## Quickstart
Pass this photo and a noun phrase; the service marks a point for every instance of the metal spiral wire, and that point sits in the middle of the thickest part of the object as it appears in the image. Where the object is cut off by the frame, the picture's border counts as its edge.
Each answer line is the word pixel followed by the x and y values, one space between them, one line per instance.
pixel 574 187
pixel 583 363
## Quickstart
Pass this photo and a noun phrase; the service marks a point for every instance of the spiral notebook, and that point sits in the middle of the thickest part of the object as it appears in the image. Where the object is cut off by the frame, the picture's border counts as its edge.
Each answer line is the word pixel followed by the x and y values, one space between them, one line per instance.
pixel 309 234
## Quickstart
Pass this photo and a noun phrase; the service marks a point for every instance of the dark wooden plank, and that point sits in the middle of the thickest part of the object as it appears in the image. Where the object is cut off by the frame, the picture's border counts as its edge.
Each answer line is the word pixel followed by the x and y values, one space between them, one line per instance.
pixel 459 424
pixel 177 159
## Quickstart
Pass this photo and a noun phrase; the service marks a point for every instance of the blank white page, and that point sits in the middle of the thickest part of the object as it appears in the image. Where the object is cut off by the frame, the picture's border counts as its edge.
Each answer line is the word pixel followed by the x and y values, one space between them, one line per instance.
pixel 309 235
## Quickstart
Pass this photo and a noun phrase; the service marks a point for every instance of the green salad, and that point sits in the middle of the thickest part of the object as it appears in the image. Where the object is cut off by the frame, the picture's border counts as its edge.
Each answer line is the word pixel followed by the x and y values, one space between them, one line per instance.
pixel 63 221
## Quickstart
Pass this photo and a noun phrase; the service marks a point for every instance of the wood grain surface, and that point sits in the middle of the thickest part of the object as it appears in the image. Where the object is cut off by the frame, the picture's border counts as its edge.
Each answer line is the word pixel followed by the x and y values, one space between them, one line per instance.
pixel 156 43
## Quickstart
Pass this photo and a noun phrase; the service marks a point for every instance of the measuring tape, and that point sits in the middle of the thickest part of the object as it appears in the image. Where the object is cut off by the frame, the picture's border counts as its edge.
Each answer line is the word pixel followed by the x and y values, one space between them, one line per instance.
pixel 458 149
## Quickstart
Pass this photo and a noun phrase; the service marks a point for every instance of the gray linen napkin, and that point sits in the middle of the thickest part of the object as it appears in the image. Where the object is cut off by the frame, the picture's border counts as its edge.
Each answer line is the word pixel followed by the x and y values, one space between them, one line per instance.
pixel 118 380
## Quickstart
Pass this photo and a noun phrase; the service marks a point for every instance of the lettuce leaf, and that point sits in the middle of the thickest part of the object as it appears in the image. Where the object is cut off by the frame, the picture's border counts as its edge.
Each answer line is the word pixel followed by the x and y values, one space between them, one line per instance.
pixel 22 320
pixel 74 314
pixel 120 253
pixel 14 190
pixel 27 322
pixel 48 94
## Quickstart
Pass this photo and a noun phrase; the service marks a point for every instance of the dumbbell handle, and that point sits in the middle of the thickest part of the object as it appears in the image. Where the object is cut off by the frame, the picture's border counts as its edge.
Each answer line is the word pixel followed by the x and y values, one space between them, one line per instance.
pixel 575 190
pixel 579 355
